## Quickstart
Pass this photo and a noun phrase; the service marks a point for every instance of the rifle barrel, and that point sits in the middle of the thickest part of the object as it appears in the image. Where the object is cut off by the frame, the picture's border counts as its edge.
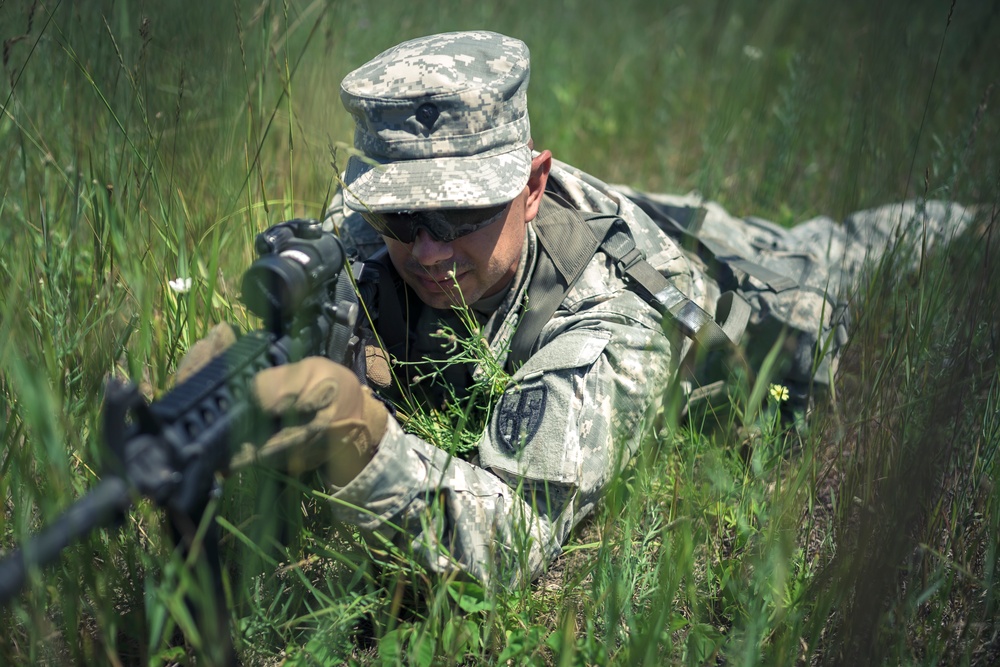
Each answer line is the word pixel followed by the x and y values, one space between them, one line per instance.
pixel 106 503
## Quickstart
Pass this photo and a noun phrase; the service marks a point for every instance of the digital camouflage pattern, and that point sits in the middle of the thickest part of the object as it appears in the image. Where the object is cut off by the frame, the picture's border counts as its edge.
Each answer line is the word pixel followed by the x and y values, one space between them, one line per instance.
pixel 818 265
pixel 569 422
pixel 582 401
pixel 442 122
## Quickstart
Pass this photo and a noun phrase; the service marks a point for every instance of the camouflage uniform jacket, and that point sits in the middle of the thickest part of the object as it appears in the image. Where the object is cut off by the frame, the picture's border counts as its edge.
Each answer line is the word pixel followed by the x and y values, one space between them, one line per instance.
pixel 567 424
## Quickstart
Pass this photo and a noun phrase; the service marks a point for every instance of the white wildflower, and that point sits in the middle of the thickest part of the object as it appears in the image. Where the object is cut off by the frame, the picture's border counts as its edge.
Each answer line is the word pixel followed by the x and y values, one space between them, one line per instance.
pixel 180 285
pixel 752 52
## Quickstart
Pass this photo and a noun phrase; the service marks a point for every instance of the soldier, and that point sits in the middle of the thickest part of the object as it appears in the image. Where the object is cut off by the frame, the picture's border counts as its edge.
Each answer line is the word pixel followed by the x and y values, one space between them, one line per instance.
pixel 578 292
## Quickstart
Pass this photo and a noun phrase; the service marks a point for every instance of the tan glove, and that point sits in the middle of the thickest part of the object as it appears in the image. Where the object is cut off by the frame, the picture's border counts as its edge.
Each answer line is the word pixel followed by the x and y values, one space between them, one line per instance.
pixel 334 420
pixel 330 418
pixel 218 339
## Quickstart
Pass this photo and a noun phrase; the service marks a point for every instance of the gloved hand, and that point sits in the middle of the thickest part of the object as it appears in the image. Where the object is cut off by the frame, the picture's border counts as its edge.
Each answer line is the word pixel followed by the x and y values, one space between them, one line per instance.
pixel 218 339
pixel 330 418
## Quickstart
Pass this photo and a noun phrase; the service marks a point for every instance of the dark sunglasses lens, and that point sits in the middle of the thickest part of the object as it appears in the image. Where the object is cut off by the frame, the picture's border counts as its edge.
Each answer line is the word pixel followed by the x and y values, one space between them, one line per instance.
pixel 445 225
pixel 394 225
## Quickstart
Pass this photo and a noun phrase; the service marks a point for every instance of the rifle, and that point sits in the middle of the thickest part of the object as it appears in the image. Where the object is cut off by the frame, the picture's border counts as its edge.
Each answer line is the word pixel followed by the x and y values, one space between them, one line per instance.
pixel 171 450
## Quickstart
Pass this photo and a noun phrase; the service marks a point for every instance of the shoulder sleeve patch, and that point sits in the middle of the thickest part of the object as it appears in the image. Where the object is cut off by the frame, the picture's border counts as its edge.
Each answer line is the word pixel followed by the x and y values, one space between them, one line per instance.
pixel 535 430
pixel 519 416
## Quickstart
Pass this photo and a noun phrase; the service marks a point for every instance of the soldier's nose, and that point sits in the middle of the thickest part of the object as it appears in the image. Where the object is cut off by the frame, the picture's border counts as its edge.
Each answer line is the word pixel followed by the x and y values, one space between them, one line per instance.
pixel 428 251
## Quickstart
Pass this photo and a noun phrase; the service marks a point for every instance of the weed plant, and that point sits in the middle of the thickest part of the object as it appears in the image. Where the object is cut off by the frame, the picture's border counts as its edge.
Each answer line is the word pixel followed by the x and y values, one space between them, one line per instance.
pixel 143 145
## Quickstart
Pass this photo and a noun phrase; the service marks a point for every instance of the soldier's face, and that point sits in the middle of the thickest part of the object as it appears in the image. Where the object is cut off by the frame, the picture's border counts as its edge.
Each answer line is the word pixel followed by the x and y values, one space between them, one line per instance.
pixel 476 265
pixel 467 269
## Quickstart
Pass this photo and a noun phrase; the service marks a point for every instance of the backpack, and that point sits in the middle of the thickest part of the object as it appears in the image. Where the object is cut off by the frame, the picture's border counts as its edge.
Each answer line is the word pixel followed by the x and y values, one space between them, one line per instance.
pixel 766 298
pixel 569 239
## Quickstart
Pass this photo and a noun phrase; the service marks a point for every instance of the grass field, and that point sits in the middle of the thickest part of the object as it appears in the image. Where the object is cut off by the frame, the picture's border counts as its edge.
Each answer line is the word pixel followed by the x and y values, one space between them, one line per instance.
pixel 144 142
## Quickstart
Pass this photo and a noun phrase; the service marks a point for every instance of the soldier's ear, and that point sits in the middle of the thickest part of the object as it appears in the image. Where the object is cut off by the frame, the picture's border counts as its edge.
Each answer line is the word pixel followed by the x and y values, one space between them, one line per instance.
pixel 540 166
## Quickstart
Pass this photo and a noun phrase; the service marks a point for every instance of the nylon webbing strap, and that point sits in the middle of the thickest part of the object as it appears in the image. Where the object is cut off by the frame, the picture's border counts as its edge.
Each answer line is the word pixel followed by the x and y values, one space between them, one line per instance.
pixel 732 311
pixel 566 253
pixel 687 221
pixel 567 248
pixel 392 320
pixel 727 255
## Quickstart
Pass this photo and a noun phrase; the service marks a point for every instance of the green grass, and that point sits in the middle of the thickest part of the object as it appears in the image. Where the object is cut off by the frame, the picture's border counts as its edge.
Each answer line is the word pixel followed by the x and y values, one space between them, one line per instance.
pixel 142 142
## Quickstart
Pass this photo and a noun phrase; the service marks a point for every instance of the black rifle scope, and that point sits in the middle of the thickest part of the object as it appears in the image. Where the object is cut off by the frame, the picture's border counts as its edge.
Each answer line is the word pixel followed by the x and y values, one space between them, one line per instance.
pixel 295 257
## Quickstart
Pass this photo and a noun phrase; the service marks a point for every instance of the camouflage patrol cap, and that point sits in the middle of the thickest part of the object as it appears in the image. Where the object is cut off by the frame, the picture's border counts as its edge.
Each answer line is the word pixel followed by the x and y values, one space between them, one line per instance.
pixel 445 120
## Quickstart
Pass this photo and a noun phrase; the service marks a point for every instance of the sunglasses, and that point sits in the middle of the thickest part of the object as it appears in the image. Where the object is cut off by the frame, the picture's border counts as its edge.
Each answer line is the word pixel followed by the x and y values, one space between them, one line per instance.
pixel 444 225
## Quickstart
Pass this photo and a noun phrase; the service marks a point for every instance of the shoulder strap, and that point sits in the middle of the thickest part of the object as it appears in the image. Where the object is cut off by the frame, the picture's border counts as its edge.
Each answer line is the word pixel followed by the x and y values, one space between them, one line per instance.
pixel 564 253
pixel 382 289
pixel 686 221
pixel 731 312
pixel 568 240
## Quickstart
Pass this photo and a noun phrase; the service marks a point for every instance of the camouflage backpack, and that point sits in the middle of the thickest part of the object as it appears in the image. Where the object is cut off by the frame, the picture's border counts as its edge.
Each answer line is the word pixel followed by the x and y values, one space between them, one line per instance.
pixel 772 294
pixel 799 281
